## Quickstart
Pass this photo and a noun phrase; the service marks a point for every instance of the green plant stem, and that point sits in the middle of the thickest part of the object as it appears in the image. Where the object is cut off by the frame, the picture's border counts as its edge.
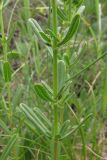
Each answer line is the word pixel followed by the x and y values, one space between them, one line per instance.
pixel 55 80
pixel 26 9
pixel 4 45
pixel 98 14
pixel 1 19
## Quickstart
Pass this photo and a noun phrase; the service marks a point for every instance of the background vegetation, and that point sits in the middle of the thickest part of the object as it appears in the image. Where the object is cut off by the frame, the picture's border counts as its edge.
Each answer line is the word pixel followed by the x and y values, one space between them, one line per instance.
pixel 25 61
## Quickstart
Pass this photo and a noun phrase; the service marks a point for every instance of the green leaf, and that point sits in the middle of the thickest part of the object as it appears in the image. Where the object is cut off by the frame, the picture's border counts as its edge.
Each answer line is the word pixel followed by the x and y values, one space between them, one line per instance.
pixel 7 72
pixel 76 127
pixel 42 92
pixel 66 58
pixel 46 38
pixel 52 35
pixel 34 119
pixel 81 10
pixel 13 55
pixel 61 73
pixel 5 3
pixel 3 125
pixel 39 32
pixel 72 29
pixel 78 3
pixel 65 127
pixel 35 25
pixel 30 125
pixel 42 117
pixel 61 14
pixel 9 147
pixel 48 88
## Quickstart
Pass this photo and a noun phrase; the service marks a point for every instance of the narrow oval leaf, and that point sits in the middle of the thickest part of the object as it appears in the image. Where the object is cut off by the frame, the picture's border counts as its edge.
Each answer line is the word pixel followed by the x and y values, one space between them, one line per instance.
pixel 39 32
pixel 8 148
pixel 61 73
pixel 34 119
pixel 7 72
pixel 72 30
pixel 42 117
pixel 35 26
pixel 42 92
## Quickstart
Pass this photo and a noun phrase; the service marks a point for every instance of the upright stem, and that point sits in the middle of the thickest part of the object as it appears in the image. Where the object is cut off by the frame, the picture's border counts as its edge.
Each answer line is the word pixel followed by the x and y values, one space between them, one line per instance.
pixel 55 80
pixel 26 9
pixel 4 46
pixel 4 43
pixel 98 14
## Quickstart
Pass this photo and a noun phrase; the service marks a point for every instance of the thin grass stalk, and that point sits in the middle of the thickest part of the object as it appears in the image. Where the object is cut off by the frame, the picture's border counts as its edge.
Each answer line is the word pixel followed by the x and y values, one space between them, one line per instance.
pixel 82 134
pixel 2 31
pixel 11 16
pixel 4 45
pixel 98 14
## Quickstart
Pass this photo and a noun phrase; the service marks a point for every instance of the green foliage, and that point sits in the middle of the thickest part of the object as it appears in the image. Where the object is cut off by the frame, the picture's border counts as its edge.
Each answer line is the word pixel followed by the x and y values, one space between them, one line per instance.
pixel 7 71
pixel 72 30
pixel 8 147
pixel 36 119
pixel 43 92
pixel 53 79
pixel 61 73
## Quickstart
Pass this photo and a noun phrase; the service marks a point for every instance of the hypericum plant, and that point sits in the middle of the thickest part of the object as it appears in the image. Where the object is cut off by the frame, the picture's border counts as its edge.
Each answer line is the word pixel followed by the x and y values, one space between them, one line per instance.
pixel 58 96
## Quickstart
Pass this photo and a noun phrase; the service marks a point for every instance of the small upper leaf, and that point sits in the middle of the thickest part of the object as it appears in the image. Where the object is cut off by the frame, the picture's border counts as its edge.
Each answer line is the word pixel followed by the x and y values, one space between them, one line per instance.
pixel 72 29
pixel 39 32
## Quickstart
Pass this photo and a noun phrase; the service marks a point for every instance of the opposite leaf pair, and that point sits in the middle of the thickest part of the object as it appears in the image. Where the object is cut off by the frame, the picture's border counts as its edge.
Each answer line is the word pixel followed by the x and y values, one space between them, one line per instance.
pixel 40 121
pixel 47 38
